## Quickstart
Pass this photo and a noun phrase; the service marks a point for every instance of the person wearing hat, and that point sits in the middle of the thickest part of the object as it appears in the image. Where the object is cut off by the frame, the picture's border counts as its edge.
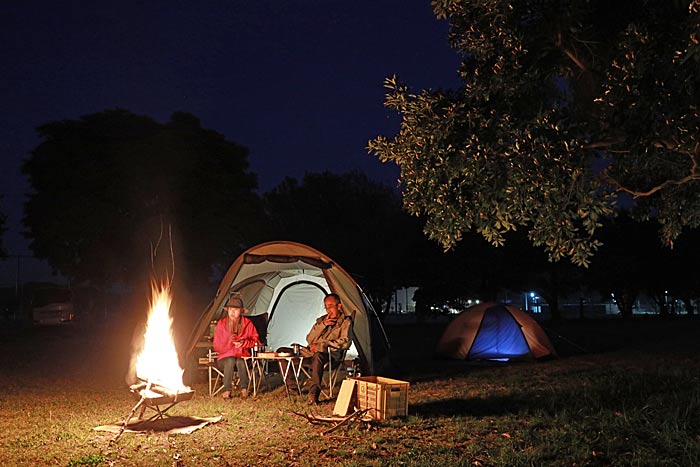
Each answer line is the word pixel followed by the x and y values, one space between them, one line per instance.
pixel 234 336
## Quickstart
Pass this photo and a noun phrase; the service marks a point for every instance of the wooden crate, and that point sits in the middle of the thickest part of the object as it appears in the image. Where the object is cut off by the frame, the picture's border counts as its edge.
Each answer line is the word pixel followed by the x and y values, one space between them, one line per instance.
pixel 384 397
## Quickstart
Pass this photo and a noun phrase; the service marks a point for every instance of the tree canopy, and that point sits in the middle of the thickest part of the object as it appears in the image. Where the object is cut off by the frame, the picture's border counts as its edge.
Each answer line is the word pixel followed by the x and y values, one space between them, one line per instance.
pixel 564 107
pixel 117 195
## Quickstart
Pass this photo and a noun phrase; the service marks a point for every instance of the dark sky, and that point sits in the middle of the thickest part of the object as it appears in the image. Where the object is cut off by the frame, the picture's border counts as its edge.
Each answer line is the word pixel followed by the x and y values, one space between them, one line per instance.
pixel 299 82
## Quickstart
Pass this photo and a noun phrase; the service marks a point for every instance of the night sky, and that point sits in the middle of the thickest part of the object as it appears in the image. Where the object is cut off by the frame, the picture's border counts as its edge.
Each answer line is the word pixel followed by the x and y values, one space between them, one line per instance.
pixel 299 82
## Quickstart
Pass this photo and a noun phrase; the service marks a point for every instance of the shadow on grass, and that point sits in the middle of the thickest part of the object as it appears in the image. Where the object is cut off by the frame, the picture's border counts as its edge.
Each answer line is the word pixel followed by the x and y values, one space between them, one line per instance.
pixel 494 406
pixel 437 368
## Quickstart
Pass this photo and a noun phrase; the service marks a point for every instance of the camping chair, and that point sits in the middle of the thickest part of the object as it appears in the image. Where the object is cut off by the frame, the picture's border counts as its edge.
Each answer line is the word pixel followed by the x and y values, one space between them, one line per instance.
pixel 260 322
pixel 216 376
pixel 331 371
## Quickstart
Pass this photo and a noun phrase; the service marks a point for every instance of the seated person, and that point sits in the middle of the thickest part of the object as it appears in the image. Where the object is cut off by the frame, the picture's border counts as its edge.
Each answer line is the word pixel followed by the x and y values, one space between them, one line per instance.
pixel 234 336
pixel 331 330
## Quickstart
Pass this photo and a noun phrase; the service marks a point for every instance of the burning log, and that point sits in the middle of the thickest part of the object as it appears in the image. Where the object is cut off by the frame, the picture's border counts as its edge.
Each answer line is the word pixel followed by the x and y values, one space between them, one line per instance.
pixel 157 365
pixel 155 394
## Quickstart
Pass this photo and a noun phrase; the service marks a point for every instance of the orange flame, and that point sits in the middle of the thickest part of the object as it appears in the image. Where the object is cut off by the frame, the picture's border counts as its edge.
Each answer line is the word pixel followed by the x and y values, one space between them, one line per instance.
pixel 158 362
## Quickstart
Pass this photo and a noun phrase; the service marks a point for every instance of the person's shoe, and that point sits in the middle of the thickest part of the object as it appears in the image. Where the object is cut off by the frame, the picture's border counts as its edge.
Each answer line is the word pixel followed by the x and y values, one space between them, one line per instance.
pixel 226 395
pixel 244 393
pixel 313 396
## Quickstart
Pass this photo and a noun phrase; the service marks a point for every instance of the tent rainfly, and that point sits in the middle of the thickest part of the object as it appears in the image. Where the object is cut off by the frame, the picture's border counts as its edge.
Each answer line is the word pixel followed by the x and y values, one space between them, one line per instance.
pixel 283 285
pixel 493 331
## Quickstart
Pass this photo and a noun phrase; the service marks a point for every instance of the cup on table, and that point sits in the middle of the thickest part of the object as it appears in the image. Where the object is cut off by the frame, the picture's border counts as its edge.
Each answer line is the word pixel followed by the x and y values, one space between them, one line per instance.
pixel 296 348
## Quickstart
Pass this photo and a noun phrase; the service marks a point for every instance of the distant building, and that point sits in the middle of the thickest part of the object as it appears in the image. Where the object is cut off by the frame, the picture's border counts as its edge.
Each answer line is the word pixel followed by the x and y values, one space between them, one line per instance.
pixel 402 301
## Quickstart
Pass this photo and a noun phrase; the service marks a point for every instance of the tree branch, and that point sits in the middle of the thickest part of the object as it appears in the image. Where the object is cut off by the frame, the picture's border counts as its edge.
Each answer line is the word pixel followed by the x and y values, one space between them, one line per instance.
pixel 693 175
pixel 604 143
pixel 337 421
pixel 575 59
pixel 357 415
pixel 559 43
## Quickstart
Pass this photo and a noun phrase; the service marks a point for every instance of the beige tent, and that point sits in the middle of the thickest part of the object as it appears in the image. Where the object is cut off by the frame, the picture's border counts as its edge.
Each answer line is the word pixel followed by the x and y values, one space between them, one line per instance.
pixel 493 331
pixel 283 285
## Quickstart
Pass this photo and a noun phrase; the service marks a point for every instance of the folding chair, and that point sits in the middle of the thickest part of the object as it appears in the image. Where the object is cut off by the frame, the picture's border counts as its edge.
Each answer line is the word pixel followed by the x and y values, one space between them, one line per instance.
pixel 216 376
pixel 331 371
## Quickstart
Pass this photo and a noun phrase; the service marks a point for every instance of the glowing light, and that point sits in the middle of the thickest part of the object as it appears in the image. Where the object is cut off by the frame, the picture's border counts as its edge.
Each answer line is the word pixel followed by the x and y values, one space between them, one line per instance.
pixel 158 361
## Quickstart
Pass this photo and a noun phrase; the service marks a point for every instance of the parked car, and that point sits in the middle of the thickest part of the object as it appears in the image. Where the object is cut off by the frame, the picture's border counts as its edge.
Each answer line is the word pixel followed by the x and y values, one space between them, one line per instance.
pixel 52 305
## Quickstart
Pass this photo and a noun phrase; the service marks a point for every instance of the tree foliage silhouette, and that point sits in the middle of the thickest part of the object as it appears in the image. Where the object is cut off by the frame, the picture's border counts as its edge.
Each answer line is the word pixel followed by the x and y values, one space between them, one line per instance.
pixel 110 190
pixel 354 220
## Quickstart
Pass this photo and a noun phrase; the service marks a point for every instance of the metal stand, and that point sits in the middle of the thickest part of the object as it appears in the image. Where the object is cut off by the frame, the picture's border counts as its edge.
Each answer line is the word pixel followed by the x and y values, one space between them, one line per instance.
pixel 144 390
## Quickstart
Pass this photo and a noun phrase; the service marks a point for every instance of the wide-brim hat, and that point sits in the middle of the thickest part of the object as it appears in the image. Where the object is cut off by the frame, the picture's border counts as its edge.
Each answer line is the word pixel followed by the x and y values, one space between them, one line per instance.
pixel 234 301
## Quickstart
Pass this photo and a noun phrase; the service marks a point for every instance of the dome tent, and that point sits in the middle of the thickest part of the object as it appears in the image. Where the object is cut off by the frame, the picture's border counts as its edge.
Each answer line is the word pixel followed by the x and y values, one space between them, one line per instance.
pixel 494 331
pixel 283 285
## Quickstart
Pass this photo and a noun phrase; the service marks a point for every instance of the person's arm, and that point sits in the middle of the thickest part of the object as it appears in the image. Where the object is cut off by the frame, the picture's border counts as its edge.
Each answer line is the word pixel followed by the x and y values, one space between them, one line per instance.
pixel 315 332
pixel 221 338
pixel 339 338
pixel 249 334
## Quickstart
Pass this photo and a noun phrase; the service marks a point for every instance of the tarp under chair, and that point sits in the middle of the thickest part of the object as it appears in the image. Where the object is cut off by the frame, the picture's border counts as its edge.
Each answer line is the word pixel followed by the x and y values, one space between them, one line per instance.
pixel 283 285
pixel 494 331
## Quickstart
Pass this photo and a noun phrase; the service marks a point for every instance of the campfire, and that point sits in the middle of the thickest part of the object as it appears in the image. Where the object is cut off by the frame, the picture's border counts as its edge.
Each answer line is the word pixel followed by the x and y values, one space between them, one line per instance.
pixel 156 365
pixel 157 362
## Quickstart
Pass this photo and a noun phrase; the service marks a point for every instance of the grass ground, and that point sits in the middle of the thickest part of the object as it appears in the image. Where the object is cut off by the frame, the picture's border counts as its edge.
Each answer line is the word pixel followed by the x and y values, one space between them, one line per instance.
pixel 621 394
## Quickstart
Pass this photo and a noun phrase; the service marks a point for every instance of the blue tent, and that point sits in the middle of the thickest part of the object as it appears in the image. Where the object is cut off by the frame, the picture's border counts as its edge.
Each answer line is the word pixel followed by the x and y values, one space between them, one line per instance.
pixel 494 331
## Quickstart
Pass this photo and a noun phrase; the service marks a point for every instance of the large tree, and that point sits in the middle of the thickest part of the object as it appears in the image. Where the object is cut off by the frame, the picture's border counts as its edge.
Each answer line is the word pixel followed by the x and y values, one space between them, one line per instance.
pixel 117 197
pixel 564 106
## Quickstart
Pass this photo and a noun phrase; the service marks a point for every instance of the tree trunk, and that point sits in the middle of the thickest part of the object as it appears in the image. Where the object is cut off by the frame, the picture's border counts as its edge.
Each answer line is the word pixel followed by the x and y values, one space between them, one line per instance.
pixel 660 300
pixel 689 308
pixel 625 302
pixel 553 305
